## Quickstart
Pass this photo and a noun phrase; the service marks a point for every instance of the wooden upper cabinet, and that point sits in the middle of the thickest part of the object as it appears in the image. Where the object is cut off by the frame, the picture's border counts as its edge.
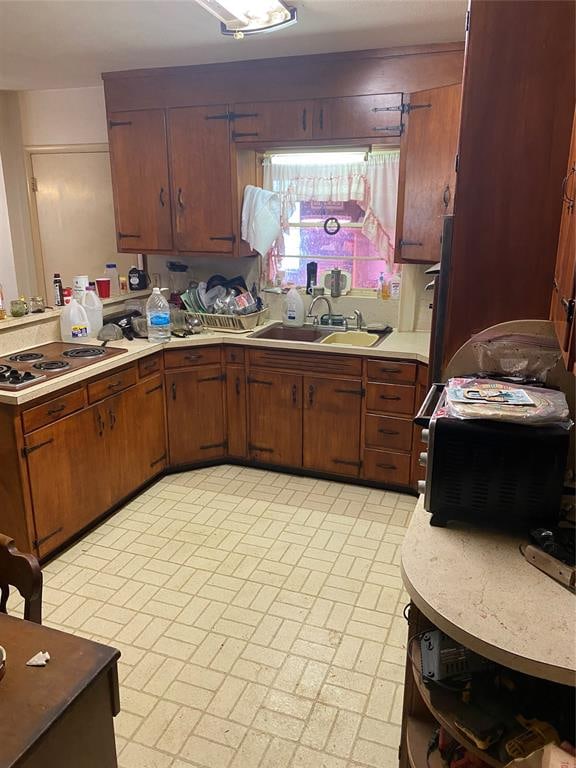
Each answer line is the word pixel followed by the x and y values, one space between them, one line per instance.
pixel 273 121
pixel 563 292
pixel 201 179
pixel 427 172
pixel 358 117
pixel 139 163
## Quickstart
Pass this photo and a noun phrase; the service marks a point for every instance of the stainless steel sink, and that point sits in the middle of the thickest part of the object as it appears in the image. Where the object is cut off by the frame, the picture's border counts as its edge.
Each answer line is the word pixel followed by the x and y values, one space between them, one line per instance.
pixel 280 332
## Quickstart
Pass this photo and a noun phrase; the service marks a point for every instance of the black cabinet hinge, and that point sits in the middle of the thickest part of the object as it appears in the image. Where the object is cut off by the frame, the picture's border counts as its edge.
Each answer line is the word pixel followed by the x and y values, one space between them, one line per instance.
pixel 227 238
pixel 158 460
pixel 457 163
pixel 220 377
pixel 399 129
pixel 417 243
pixel 117 123
pixel 210 446
pixel 231 116
pixel 28 449
pixel 407 108
pixel 467 25
pixel 37 542
pixel 360 392
pixel 240 135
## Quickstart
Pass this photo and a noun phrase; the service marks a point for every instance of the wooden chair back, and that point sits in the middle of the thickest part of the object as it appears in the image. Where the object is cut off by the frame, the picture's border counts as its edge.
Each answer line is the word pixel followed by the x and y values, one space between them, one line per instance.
pixel 22 572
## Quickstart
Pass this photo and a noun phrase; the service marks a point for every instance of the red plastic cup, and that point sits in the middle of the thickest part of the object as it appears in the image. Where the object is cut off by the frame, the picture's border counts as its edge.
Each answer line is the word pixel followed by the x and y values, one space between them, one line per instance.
pixel 103 287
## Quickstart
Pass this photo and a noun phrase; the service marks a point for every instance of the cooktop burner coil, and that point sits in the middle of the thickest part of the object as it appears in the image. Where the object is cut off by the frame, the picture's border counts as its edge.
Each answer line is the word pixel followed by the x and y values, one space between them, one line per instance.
pixel 25 357
pixel 51 365
pixel 84 352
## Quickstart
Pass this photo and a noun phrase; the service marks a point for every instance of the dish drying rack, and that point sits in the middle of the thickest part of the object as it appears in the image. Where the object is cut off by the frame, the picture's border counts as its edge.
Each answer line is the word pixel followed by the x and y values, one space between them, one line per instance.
pixel 232 323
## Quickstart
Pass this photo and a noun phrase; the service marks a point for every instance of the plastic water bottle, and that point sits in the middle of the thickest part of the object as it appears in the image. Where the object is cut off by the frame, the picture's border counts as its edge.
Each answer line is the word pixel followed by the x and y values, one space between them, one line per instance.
pixel 158 317
pixel 93 307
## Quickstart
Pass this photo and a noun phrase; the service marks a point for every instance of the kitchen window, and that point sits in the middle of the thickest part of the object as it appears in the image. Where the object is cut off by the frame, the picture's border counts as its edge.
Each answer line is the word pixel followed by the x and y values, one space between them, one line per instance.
pixel 359 191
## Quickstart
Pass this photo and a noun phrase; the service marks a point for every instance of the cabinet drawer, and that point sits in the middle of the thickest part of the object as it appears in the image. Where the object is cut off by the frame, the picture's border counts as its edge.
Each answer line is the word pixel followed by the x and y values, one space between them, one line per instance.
pixel 305 362
pixel 183 358
pixel 44 414
pixel 234 355
pixel 387 432
pixel 391 371
pixel 387 467
pixel 149 365
pixel 112 384
pixel 390 398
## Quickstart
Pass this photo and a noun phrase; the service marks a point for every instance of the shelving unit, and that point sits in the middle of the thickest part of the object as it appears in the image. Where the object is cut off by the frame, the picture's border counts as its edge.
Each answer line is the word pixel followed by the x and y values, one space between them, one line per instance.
pixel 418 735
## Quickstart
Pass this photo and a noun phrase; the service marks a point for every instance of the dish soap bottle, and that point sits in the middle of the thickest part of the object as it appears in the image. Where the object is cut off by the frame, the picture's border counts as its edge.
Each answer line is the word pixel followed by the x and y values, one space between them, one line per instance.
pixel 74 323
pixel 383 287
pixel 158 317
pixel 293 309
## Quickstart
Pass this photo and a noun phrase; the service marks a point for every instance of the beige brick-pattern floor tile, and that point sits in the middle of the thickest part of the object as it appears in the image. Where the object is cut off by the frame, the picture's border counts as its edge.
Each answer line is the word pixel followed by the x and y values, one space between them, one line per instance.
pixel 259 617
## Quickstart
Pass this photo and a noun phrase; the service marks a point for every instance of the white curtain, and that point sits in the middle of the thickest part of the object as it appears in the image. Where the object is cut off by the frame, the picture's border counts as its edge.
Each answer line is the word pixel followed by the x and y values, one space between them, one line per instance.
pixel 372 183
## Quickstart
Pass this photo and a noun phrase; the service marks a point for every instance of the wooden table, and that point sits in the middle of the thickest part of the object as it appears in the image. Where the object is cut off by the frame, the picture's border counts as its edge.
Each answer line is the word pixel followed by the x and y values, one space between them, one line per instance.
pixel 61 715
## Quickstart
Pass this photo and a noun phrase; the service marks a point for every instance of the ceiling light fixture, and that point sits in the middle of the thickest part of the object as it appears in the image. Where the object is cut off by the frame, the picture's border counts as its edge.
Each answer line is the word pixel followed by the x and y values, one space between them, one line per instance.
pixel 239 18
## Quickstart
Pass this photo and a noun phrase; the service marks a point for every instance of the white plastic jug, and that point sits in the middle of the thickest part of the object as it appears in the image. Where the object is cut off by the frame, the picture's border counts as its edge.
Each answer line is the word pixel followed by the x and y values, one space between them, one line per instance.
pixel 94 311
pixel 74 323
pixel 293 309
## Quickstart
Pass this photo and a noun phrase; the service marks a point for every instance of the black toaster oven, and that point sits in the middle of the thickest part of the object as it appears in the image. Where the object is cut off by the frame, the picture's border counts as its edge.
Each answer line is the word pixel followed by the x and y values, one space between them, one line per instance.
pixel 490 473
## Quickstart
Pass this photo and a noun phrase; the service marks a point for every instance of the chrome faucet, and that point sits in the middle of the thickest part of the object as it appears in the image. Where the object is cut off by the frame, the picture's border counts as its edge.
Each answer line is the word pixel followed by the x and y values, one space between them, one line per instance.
pixel 357 315
pixel 315 300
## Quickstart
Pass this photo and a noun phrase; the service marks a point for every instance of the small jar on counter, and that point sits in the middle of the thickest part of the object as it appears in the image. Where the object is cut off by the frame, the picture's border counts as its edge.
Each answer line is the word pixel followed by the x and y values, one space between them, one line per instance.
pixel 18 307
pixel 36 305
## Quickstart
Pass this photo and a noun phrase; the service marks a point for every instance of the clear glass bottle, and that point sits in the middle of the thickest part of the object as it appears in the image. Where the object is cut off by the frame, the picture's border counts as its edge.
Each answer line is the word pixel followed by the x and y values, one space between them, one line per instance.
pixel 111 272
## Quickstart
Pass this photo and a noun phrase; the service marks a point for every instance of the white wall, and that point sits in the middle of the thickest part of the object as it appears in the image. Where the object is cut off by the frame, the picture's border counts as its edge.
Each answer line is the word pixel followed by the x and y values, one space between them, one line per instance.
pixel 66 116
pixel 7 268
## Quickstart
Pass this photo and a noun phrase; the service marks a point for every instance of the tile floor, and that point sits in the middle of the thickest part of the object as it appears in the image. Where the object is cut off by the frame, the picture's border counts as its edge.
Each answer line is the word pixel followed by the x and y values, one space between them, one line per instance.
pixel 259 616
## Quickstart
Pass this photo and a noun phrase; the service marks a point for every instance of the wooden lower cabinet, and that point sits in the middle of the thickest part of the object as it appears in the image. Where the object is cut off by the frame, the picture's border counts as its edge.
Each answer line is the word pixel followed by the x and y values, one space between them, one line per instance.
pixel 145 440
pixel 236 411
pixel 417 472
pixel 332 419
pixel 196 416
pixel 67 469
pixel 275 418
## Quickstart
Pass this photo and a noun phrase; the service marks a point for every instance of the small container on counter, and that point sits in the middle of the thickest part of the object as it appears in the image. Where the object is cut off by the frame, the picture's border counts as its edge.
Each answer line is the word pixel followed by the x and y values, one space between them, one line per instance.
pixel 67 296
pixel 36 305
pixel 18 307
pixel 58 290
pixel 2 308
pixel 123 284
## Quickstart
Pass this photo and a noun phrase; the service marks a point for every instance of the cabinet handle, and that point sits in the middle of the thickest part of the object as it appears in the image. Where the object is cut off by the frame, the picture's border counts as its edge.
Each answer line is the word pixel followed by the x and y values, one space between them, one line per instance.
pixel 386 466
pixel 347 463
pixel 125 235
pixel 311 393
pixel 114 384
pixel 30 449
pixel 237 386
pixel 321 118
pixel 158 460
pixel 359 392
pixel 259 381
pixel 294 394
pixel 446 196
pixel 228 238
pixel 209 446
pixel 111 418
pixel 173 390
pixel 154 389
pixel 180 199
pixel 304 119
pixel 238 135
pixel 390 370
pixel 57 409
pixel 117 123
pixel 192 357
pixel 565 198
pixel 390 397
pixel 100 422
pixel 388 432
pixel 161 197
pixel 253 447
pixel 568 305
pixel 220 377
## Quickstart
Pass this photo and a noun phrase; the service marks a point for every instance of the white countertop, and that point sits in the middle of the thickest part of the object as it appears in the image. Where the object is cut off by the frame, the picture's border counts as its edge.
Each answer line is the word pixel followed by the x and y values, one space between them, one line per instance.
pixel 475 586
pixel 405 345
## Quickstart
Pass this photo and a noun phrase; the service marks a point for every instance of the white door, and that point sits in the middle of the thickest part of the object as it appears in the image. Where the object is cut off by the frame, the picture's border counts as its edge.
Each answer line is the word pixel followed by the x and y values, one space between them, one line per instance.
pixel 76 216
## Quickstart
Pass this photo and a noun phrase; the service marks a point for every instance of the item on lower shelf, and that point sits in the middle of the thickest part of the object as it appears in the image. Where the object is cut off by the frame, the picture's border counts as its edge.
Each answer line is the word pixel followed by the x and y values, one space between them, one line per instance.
pixel 443 659
pixel 535 736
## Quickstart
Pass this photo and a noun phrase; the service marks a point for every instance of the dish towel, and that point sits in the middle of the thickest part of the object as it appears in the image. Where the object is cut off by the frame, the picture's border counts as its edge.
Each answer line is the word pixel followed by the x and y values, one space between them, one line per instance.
pixel 260 218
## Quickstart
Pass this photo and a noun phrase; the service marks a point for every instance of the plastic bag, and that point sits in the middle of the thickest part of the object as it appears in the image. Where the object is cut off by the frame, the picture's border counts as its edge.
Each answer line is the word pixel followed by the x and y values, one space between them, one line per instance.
pixel 515 354
pixel 475 398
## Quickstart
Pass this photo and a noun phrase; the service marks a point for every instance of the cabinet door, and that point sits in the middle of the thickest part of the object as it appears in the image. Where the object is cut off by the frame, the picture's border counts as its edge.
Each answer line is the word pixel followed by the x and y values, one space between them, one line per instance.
pixel 427 172
pixel 332 414
pixel 418 447
pixel 143 435
pixel 273 121
pixel 201 179
pixel 358 117
pixel 195 411
pixel 68 479
pixel 563 293
pixel 275 418
pixel 139 163
pixel 236 410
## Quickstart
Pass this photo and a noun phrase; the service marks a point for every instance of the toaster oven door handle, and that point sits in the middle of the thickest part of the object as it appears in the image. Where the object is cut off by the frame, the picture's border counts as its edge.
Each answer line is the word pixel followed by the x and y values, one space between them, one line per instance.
pixel 422 418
